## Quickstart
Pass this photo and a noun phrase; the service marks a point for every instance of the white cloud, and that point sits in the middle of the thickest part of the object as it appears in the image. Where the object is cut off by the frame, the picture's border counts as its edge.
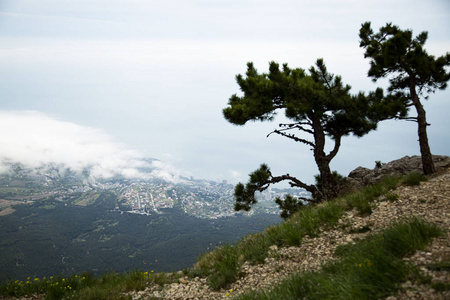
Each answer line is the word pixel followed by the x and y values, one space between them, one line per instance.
pixel 35 140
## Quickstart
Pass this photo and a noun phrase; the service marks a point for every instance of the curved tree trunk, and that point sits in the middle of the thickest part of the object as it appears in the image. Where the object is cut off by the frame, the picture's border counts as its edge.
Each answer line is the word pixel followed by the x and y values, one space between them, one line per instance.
pixel 322 161
pixel 427 158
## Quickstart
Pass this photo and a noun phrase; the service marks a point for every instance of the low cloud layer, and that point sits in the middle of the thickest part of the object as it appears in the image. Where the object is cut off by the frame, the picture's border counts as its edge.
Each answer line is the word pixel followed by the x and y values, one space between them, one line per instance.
pixel 35 140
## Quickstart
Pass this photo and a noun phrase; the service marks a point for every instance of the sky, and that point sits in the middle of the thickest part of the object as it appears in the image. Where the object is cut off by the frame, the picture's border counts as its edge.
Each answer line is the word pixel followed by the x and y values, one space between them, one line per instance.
pixel 109 82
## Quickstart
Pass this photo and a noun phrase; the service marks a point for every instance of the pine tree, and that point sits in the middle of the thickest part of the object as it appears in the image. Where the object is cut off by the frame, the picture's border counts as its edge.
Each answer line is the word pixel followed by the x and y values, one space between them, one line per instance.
pixel 317 103
pixel 413 73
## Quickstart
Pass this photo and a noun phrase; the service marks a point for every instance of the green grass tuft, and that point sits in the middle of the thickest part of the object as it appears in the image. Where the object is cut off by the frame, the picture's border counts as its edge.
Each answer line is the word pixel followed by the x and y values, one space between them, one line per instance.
pixel 369 269
pixel 440 266
pixel 226 268
pixel 441 286
pixel 414 178
pixel 360 202
pixel 392 196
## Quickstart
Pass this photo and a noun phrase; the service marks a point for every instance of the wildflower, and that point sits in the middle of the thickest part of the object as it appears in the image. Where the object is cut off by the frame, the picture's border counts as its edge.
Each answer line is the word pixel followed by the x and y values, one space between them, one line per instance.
pixel 83 278
pixel 36 279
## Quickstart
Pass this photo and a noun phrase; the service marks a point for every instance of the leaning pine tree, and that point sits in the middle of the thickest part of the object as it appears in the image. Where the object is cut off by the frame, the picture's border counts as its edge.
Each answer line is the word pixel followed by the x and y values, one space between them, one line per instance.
pixel 413 73
pixel 318 104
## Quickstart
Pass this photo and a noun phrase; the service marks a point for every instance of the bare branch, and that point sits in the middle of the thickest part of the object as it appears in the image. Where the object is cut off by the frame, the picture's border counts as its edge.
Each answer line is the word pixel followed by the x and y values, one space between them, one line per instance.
pixel 297 126
pixel 411 119
pixel 294 182
pixel 307 122
pixel 293 137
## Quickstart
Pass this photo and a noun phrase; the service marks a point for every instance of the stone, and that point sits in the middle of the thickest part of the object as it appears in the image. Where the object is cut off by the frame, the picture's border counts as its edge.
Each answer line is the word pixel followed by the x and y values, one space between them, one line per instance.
pixel 361 176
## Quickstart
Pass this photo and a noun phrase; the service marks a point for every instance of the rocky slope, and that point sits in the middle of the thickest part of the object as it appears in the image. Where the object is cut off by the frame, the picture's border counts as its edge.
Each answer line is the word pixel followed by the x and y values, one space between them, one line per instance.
pixel 430 200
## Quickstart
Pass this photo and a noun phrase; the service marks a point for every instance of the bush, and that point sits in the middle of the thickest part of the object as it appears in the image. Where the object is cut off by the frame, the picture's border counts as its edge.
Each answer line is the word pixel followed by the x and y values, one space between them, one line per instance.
pixel 289 205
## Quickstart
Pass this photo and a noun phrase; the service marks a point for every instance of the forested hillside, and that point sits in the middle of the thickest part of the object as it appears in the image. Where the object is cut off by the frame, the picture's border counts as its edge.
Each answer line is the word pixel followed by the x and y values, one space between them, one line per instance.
pixel 52 238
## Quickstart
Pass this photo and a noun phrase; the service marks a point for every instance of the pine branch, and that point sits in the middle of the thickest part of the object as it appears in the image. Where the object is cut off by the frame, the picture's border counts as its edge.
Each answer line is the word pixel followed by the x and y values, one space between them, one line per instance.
pixel 294 182
pixel 411 119
pixel 293 137
pixel 296 126
pixel 307 122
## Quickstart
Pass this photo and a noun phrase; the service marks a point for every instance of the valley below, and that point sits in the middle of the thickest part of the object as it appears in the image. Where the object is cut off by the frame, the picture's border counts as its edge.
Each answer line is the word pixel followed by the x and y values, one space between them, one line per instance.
pixel 60 223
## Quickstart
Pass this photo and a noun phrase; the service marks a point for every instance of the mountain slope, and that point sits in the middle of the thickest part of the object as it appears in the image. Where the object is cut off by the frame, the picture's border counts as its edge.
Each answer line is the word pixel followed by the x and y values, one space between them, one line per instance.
pixel 429 200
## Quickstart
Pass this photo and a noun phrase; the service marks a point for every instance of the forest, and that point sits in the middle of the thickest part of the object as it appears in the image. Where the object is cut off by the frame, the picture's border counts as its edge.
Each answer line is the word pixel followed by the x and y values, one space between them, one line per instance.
pixel 51 238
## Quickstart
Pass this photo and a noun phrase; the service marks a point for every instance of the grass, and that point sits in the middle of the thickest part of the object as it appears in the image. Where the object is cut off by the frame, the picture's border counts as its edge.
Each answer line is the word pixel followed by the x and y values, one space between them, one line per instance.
pixel 392 197
pixel 369 269
pixel 363 200
pixel 107 286
pixel 414 178
pixel 441 266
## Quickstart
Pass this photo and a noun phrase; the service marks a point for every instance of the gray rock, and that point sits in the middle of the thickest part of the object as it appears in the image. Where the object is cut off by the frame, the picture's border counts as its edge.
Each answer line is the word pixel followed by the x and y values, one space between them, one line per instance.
pixel 363 176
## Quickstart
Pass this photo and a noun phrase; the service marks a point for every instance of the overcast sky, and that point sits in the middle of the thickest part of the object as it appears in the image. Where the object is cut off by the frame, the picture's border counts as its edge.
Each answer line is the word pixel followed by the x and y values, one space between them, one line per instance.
pixel 150 79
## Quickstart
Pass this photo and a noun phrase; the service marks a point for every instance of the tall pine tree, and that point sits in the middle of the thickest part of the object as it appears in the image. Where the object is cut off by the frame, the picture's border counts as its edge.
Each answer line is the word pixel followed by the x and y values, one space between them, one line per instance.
pixel 412 71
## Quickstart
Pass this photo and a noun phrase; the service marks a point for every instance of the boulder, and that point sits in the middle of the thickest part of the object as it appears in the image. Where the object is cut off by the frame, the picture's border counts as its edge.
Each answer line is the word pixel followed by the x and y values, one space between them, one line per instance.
pixel 363 176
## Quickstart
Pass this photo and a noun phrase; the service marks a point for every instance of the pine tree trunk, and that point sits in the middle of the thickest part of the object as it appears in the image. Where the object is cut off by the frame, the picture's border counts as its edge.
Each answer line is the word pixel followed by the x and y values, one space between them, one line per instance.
pixel 328 189
pixel 427 158
pixel 323 164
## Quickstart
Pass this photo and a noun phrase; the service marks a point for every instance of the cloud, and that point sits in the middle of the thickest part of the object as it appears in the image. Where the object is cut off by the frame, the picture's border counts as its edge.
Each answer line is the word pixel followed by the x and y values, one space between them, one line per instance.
pixel 36 140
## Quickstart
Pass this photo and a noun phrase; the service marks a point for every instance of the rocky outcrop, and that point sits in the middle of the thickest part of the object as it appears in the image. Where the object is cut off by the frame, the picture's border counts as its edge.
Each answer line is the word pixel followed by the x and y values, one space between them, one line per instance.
pixel 363 176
